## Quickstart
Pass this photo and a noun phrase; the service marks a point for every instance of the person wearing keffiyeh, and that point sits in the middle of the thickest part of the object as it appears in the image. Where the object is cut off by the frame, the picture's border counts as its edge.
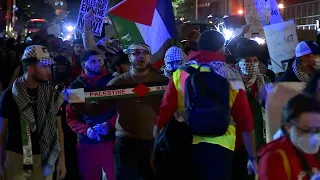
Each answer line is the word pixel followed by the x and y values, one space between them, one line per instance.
pixel 173 59
pixel 247 54
pixel 307 61
pixel 212 156
pixel 28 111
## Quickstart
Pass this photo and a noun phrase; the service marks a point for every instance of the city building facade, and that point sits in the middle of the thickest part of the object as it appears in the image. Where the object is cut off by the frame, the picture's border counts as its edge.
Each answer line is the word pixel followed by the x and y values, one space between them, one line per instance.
pixel 306 14
pixel 218 8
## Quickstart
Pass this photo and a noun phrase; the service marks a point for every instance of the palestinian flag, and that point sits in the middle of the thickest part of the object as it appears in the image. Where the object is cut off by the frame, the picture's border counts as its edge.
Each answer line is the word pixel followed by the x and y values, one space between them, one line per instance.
pixel 148 21
pixel 126 91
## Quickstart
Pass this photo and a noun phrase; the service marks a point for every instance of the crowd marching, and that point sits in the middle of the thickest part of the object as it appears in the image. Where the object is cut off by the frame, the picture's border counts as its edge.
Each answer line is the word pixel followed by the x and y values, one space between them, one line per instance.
pixel 199 117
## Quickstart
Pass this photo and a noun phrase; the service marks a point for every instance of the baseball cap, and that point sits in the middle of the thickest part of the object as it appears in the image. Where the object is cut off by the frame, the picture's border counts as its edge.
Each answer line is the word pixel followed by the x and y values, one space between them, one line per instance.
pixel 307 47
pixel 38 52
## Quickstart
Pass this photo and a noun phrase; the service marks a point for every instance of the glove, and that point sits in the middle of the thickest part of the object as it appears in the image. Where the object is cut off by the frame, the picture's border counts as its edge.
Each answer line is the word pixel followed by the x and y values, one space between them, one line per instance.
pixel 65 94
pixel 92 134
pixel 316 177
pixel 102 129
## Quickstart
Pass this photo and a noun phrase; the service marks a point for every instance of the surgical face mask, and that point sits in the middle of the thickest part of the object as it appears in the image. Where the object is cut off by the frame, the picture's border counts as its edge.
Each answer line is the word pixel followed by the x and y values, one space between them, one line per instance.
pixel 317 66
pixel 249 68
pixel 308 143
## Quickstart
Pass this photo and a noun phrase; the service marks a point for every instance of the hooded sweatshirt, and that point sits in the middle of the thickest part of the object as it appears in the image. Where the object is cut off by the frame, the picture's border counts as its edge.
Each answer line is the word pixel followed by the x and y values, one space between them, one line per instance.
pixel 79 122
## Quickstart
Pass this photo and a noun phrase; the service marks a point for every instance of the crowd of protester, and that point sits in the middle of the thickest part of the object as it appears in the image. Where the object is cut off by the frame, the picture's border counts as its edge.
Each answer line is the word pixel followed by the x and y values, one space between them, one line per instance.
pixel 42 136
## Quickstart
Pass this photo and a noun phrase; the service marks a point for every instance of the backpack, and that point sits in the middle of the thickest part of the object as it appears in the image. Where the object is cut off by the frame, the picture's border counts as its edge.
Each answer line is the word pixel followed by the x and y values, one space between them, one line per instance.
pixel 206 102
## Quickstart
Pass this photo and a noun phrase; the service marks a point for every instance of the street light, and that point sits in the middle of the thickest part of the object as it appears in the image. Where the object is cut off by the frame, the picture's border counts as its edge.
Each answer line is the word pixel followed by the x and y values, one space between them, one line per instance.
pixel 240 11
pixel 280 6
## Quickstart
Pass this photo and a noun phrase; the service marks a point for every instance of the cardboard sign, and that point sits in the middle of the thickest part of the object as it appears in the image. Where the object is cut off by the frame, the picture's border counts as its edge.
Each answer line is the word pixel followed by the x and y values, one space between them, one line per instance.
pixel 281 41
pixel 100 8
pixel 257 14
pixel 278 96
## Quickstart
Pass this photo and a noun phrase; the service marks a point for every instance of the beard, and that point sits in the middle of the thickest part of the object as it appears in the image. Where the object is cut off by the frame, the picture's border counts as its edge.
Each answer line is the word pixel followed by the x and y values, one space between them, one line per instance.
pixel 94 70
pixel 140 68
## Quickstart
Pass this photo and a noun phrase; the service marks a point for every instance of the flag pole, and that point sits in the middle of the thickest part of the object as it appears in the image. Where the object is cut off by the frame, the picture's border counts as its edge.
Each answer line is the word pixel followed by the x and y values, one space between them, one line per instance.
pixel 196 16
pixel 115 6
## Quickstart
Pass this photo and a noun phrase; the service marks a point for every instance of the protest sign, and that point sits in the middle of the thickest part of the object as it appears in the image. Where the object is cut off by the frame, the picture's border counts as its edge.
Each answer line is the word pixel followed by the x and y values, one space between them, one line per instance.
pixel 275 13
pixel 257 14
pixel 251 16
pixel 263 10
pixel 278 96
pixel 281 41
pixel 100 8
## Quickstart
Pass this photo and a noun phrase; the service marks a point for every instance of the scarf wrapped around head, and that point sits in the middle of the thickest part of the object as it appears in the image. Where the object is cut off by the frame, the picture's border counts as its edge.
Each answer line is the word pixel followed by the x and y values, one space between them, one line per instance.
pixel 49 102
pixel 250 74
pixel 138 46
pixel 173 54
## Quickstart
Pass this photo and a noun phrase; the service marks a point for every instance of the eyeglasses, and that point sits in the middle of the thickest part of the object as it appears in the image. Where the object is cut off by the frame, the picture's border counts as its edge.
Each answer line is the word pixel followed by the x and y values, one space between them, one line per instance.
pixel 307 130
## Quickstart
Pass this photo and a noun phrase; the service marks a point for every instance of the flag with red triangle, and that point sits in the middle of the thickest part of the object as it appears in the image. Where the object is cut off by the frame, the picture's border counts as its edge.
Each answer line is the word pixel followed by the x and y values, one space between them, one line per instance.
pixel 148 21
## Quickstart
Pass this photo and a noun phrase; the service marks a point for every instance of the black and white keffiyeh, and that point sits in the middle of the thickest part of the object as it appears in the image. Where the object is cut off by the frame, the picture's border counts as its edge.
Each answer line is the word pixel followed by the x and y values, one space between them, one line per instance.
pixel 49 102
pixel 221 68
pixel 250 73
pixel 302 76
pixel 173 59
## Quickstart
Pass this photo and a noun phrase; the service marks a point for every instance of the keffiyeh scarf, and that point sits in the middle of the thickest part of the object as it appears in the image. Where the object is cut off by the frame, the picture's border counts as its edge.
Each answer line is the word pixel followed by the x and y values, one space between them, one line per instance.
pixel 255 77
pixel 302 76
pixel 223 69
pixel 49 102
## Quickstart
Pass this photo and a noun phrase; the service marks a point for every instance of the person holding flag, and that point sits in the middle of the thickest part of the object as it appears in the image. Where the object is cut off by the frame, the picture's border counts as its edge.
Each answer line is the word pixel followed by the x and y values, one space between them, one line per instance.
pixel 134 128
pixel 95 136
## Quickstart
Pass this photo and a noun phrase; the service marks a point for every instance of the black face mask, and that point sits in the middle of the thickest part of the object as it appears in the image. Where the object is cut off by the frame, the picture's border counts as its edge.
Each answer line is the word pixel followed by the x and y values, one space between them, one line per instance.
pixel 60 74
pixel 61 71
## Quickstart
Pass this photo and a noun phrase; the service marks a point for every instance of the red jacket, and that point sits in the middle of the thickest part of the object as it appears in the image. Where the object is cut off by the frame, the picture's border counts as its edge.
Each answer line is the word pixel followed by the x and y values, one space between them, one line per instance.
pixel 240 110
pixel 279 161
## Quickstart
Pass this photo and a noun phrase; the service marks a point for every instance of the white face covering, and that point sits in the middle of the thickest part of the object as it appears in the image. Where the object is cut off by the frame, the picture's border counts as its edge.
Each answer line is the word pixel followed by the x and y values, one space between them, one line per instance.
pixel 308 143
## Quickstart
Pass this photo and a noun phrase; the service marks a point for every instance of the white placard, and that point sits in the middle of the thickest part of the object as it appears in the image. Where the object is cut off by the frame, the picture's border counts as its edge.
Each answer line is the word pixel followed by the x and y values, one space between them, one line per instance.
pixel 281 40
pixel 100 8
